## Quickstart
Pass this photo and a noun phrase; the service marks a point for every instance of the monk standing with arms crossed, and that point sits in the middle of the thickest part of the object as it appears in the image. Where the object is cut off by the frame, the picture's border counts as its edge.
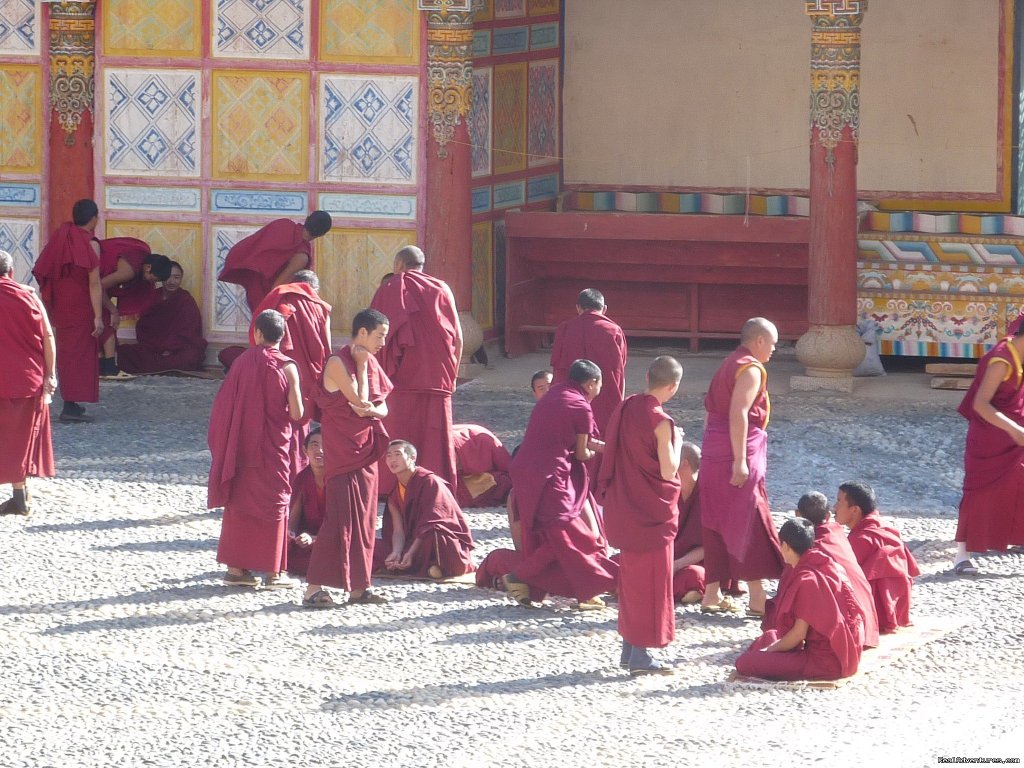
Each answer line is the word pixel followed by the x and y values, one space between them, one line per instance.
pixel 641 489
pixel 739 539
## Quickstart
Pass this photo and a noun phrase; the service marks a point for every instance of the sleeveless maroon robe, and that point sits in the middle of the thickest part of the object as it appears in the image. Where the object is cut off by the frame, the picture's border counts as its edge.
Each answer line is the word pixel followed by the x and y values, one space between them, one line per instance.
pixel 342 555
pixel 819 592
pixel 478 451
pixel 25 419
pixel 134 295
pixel 641 519
pixel 430 514
pixel 62 272
pixel 740 541
pixel 593 336
pixel 250 430
pixel 172 324
pixel 889 568
pixel 256 261
pixel 992 506
pixel 311 510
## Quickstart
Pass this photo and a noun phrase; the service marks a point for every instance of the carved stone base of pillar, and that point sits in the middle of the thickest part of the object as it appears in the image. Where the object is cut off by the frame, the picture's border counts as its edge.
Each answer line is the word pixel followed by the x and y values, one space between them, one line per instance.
pixel 830 351
pixel 472 340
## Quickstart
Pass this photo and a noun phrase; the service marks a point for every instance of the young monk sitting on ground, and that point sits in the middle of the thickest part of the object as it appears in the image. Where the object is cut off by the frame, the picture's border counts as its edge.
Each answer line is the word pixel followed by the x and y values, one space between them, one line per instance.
pixel 818 631
pixel 309 502
pixel 425 532
pixel 688 553
pixel 884 558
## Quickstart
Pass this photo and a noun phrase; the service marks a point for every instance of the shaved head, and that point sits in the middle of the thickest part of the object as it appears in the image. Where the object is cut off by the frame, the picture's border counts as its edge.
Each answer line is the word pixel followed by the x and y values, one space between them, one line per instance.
pixel 410 257
pixel 756 328
pixel 690 453
pixel 664 371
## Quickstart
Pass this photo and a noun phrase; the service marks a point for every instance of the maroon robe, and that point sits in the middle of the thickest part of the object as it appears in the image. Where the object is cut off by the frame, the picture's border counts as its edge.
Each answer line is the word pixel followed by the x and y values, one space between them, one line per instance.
pixel 561 553
pixel 992 506
pixel 431 515
pixel 342 556
pixel 889 568
pixel 420 358
pixel 480 457
pixel 592 336
pixel 134 295
pixel 831 539
pixel 250 430
pixel 689 536
pixel 818 591
pixel 641 519
pixel 256 261
pixel 25 419
pixel 169 337
pixel 62 272
pixel 740 541
pixel 306 517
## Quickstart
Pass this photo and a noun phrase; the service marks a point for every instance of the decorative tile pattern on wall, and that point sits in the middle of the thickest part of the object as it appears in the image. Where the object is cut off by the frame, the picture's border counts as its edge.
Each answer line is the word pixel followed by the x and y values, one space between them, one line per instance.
pixel 510 92
pixel 992 251
pixel 543 122
pixel 249 201
pixel 367 255
pixel 152 122
pixel 16 194
pixel 483 275
pixel 480 121
pixel 369 129
pixel 260 125
pixel 19 27
pixel 545 7
pixel 228 310
pixel 509 9
pixel 136 198
pixel 499 273
pixel 20 238
pixel 507 40
pixel 351 206
pixel 179 241
pixel 365 31
pixel 275 29
pixel 937 326
pixel 20 127
pixel 152 27
pixel 939 278
pixel 483 10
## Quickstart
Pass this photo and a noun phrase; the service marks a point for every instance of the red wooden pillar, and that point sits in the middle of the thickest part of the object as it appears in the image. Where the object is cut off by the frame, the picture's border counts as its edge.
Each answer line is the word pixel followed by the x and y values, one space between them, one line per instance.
pixel 72 58
pixel 831 347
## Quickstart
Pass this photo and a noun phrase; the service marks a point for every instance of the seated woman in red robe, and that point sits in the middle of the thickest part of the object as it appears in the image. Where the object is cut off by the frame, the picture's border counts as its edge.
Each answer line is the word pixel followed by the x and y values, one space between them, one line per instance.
pixel 818 632
pixel 424 532
pixel 169 333
pixel 308 505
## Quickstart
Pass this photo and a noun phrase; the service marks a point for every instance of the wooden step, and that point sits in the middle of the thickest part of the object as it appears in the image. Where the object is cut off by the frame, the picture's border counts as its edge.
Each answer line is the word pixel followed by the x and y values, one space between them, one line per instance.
pixel 951 369
pixel 951 382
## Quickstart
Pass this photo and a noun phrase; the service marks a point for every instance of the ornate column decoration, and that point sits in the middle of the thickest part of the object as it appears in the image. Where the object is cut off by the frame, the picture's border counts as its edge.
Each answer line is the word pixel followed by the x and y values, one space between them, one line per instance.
pixel 72 63
pixel 449 66
pixel 831 348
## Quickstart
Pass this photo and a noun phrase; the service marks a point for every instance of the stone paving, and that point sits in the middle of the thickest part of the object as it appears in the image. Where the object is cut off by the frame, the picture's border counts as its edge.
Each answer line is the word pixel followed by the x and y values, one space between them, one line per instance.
pixel 122 648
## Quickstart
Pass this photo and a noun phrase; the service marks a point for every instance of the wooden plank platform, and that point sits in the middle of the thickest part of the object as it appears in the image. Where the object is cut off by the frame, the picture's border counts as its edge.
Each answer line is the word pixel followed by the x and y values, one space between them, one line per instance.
pixel 951 382
pixel 952 369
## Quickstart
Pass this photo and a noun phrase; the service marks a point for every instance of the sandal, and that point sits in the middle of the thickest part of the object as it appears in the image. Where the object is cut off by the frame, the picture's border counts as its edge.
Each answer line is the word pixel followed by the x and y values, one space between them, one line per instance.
pixel 593 604
pixel 724 606
pixel 280 581
pixel 965 568
pixel 368 598
pixel 244 579
pixel 10 507
pixel 319 599
pixel 517 590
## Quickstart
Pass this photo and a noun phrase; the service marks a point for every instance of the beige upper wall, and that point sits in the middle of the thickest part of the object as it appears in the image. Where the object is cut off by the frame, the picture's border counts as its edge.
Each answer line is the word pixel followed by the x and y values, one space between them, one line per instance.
pixel 706 93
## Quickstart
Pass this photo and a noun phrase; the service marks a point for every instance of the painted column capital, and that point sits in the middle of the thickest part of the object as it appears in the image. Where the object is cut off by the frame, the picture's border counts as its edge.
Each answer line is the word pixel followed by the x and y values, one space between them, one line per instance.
pixel 449 67
pixel 835 70
pixel 72 63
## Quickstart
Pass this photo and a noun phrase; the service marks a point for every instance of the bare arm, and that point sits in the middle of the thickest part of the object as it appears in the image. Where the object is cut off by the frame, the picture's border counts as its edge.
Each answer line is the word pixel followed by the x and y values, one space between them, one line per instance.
pixel 122 274
pixel 791 639
pixel 583 452
pixel 96 298
pixel 410 553
pixel 670 444
pixel 295 263
pixel 747 386
pixel 295 515
pixel 397 537
pixel 338 379
pixel 49 351
pixel 291 374
pixel 983 402
pixel 458 324
pixel 693 557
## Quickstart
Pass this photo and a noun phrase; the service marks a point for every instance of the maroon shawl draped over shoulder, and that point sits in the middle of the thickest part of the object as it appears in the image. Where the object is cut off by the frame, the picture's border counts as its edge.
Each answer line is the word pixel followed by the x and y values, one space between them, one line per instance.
pixel 172 324
pixel 831 539
pixel 593 336
pixel 135 295
pixel 256 261
pixel 889 568
pixel 640 508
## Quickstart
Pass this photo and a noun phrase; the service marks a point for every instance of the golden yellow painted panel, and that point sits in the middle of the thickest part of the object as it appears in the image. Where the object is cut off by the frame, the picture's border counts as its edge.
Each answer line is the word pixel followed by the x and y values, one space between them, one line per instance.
pixel 152 27
pixel 350 264
pixel 260 125
pixel 20 116
pixel 483 10
pixel 510 91
pixel 542 7
pixel 371 31
pixel 483 275
pixel 180 242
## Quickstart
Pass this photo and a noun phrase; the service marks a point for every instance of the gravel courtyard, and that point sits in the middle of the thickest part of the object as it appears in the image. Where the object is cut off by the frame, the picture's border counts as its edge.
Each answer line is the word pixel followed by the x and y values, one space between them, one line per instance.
pixel 122 648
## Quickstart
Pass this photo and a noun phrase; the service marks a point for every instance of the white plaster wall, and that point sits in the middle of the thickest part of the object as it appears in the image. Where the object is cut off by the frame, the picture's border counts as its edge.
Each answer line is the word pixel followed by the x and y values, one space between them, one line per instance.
pixel 715 93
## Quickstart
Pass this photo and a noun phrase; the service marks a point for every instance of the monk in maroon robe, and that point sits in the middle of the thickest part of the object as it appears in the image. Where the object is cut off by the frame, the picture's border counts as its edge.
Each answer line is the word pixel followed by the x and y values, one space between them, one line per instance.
pixel 887 563
pixel 739 538
pixel 640 486
pixel 688 549
pixel 992 506
pixel 424 532
pixel 819 628
pixel 482 463
pixel 68 274
pixel 250 430
pixel 592 336
pixel 27 351
pixel 168 334
pixel 270 256
pixel 352 405
pixel 830 538
pixel 422 359
pixel 309 505
pixel 562 554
